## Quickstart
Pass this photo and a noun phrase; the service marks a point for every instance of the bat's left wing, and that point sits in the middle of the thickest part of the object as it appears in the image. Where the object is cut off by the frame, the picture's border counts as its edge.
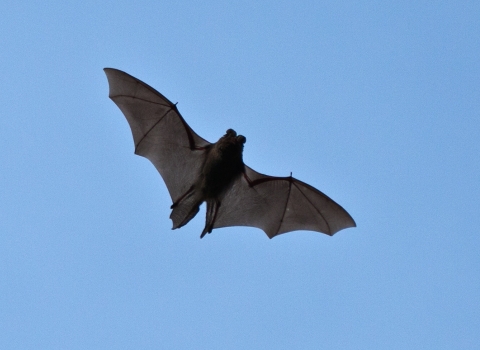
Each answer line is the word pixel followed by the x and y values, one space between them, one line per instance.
pixel 278 205
pixel 159 131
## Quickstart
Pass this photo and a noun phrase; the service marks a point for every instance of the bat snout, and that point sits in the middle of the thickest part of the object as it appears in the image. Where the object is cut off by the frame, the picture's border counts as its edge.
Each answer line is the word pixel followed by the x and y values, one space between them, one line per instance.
pixel 241 139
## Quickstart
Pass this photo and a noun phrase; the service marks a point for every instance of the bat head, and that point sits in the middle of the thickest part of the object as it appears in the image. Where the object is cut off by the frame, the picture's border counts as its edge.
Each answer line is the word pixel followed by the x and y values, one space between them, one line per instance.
pixel 232 136
pixel 230 145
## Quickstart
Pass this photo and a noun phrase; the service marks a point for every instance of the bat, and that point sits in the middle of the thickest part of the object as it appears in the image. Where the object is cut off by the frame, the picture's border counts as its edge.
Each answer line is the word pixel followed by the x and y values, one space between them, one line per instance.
pixel 197 171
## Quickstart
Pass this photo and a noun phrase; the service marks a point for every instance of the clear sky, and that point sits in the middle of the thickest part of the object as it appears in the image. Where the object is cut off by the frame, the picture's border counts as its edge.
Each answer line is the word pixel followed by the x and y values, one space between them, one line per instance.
pixel 375 103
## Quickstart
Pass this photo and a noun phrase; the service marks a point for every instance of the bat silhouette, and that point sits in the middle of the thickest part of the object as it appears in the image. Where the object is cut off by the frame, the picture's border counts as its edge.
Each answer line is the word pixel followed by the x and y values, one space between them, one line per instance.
pixel 197 171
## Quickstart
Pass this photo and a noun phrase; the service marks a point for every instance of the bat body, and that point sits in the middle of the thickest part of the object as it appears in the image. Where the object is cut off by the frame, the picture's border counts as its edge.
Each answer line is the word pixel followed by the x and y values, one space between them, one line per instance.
pixel 223 164
pixel 197 171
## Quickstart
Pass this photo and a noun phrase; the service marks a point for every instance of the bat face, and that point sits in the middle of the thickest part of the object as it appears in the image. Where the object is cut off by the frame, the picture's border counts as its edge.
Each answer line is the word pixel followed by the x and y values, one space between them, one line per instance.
pixel 197 171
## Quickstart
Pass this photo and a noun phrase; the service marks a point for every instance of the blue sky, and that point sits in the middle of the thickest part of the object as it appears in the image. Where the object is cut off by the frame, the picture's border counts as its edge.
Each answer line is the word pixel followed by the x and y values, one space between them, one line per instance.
pixel 375 103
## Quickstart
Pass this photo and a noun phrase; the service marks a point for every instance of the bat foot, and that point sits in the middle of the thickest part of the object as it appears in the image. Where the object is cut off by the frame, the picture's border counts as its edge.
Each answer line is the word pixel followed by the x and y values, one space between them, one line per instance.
pixel 207 229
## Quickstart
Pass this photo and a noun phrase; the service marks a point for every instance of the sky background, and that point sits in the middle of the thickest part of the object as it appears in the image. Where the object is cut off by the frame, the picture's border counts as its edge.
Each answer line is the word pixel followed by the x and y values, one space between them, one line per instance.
pixel 375 103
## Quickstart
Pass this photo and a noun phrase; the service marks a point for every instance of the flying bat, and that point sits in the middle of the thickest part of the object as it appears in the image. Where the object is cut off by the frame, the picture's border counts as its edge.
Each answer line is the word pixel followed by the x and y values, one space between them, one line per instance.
pixel 197 171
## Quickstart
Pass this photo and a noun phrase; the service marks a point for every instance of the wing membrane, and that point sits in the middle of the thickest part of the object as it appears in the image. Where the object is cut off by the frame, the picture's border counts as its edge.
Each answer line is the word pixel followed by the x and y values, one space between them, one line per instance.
pixel 280 204
pixel 159 131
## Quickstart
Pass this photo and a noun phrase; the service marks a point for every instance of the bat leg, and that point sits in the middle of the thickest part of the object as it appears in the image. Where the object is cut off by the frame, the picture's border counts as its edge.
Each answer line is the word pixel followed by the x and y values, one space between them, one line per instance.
pixel 182 197
pixel 191 214
pixel 212 210
pixel 185 209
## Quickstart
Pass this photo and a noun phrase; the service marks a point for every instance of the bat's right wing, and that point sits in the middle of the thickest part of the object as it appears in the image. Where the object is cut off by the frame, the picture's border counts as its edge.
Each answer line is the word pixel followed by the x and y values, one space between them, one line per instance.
pixel 278 205
pixel 159 131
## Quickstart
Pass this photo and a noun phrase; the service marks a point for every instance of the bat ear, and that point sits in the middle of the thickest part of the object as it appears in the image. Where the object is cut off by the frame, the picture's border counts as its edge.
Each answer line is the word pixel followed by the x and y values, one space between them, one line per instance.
pixel 242 139
pixel 231 133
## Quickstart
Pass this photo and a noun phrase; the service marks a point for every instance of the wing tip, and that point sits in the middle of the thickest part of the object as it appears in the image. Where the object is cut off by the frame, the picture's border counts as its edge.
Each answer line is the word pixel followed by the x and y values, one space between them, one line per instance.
pixel 110 71
pixel 106 69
